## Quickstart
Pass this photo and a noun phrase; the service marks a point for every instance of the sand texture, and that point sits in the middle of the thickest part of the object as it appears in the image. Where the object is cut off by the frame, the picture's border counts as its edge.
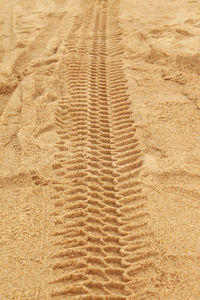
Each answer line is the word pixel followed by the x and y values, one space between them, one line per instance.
pixel 99 149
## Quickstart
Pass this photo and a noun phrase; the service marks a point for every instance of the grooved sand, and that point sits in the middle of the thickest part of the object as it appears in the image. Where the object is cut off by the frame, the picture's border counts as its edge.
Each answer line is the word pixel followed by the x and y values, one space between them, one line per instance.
pixel 98 124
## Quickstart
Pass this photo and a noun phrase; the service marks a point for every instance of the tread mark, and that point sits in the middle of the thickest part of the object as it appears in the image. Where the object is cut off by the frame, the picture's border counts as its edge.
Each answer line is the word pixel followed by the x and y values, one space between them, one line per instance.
pixel 99 207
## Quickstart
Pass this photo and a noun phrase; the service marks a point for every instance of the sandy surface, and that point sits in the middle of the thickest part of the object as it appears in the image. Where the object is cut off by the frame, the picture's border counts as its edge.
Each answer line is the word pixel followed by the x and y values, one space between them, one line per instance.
pixel 99 149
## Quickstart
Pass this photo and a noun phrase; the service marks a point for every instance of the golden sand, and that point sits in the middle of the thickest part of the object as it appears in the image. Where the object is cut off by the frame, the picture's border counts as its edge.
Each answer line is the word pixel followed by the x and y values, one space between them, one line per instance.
pixel 99 149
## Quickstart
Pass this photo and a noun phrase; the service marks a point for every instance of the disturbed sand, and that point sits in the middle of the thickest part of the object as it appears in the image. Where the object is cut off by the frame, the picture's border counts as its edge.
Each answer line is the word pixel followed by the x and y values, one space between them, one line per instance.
pixel 99 149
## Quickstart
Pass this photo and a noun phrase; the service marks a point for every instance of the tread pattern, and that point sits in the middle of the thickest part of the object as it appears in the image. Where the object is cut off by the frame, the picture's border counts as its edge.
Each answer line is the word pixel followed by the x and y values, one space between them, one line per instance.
pixel 102 242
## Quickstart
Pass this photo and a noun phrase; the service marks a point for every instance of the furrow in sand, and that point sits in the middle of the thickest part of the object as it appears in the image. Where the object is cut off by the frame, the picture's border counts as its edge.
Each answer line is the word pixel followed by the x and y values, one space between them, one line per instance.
pixel 102 242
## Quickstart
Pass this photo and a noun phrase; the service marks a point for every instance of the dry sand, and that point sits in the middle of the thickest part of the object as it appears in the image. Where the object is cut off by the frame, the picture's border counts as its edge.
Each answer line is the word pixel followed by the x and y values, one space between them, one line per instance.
pixel 99 149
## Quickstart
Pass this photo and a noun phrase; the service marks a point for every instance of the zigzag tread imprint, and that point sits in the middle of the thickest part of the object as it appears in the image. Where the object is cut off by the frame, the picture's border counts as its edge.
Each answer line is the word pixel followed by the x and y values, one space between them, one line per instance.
pixel 101 240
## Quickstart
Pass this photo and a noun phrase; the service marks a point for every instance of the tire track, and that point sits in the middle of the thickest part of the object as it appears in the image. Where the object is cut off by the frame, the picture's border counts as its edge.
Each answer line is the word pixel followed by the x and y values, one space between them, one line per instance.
pixel 102 242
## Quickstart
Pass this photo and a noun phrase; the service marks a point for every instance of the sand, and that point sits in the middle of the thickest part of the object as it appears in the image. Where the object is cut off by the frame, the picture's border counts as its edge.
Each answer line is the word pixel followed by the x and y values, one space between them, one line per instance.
pixel 99 149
